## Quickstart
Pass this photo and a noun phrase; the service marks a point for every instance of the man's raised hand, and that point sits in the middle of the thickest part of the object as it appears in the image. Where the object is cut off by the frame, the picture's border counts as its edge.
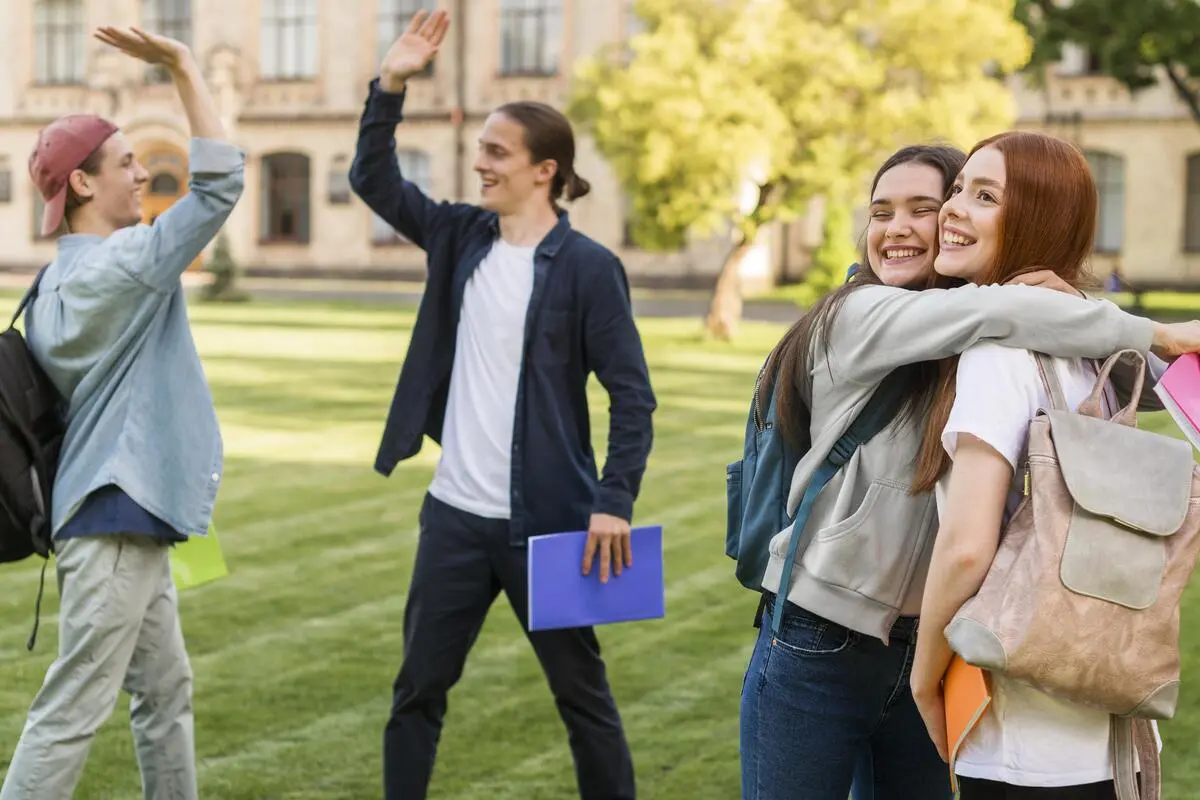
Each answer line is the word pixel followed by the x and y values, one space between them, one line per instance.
pixel 415 48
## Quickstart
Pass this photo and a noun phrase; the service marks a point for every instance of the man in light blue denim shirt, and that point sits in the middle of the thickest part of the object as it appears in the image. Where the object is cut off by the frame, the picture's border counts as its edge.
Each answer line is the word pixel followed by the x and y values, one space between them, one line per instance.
pixel 141 460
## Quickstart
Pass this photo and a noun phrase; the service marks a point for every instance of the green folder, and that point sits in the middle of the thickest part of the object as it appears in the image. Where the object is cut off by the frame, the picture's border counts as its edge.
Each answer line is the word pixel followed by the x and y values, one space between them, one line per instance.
pixel 197 561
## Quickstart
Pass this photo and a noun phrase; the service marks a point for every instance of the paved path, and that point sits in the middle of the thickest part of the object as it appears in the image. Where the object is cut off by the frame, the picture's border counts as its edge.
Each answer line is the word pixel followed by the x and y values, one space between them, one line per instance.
pixel 645 303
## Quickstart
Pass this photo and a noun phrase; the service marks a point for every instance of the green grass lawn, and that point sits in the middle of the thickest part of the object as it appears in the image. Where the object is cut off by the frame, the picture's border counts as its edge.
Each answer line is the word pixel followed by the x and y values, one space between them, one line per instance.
pixel 295 652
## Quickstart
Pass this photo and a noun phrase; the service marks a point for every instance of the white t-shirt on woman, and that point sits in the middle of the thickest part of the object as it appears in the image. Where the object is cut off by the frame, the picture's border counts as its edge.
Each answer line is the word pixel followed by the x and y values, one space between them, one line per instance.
pixel 1027 738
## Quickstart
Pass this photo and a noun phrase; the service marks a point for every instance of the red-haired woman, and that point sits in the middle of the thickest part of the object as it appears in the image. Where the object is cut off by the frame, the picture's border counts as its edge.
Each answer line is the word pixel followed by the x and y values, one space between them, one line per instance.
pixel 1022 198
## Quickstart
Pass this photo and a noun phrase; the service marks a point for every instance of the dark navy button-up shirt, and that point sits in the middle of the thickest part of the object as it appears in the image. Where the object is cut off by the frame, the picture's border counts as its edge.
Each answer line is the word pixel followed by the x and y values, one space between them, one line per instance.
pixel 580 322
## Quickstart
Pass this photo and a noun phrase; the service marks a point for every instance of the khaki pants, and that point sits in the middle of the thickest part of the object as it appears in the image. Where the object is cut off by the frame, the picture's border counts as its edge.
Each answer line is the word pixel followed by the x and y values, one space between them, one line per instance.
pixel 118 628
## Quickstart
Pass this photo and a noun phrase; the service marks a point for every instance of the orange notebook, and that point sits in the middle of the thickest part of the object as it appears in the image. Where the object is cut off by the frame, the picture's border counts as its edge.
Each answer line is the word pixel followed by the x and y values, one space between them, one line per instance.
pixel 966 695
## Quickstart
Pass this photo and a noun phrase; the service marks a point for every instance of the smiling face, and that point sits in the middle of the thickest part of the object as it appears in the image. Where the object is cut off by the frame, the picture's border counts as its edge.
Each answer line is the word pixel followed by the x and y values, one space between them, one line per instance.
pixel 970 218
pixel 111 198
pixel 508 176
pixel 902 234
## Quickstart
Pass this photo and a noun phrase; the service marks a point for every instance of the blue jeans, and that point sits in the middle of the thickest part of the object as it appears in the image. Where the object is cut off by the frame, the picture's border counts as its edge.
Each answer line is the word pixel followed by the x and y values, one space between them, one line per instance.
pixel 825 707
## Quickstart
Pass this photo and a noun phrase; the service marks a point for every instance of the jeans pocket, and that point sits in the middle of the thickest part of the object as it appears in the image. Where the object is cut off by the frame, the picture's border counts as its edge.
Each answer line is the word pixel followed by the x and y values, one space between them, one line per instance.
pixel 806 635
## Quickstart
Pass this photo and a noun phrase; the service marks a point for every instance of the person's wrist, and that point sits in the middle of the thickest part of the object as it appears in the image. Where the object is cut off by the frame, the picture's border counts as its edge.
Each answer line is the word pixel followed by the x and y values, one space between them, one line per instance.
pixel 184 66
pixel 1160 339
pixel 393 82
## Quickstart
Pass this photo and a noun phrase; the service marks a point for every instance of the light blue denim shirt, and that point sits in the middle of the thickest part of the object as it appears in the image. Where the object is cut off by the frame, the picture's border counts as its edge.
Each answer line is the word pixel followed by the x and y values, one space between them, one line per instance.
pixel 110 328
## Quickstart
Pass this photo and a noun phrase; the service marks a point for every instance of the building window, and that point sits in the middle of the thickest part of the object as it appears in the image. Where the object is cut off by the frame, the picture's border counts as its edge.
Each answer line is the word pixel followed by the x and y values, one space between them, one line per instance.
pixel 285 198
pixel 171 18
pixel 1109 173
pixel 5 180
pixel 414 165
pixel 1191 221
pixel 530 37
pixel 339 181
pixel 59 50
pixel 394 16
pixel 164 184
pixel 289 40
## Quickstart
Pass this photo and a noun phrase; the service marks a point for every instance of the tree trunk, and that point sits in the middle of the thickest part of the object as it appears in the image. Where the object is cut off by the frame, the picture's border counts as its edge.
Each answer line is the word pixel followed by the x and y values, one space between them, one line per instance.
pixel 1183 91
pixel 725 308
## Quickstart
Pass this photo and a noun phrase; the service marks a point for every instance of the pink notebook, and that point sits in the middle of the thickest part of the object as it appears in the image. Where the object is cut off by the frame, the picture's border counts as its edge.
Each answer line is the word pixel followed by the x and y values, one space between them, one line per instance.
pixel 1179 390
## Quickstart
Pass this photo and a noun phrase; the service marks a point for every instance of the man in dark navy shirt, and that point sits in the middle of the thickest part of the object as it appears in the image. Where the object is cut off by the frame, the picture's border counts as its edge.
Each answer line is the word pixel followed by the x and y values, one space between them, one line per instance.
pixel 518 310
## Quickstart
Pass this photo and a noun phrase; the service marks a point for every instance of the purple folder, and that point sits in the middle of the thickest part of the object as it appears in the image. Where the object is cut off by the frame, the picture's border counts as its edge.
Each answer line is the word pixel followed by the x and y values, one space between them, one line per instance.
pixel 561 596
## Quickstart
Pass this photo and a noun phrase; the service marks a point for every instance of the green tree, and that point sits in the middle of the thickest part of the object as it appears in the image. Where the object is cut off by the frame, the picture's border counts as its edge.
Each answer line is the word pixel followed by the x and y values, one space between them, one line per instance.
pixel 224 285
pixel 785 98
pixel 1129 40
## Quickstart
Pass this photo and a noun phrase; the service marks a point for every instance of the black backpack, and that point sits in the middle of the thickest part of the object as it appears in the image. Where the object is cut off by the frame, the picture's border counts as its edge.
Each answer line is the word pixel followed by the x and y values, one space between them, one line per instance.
pixel 32 425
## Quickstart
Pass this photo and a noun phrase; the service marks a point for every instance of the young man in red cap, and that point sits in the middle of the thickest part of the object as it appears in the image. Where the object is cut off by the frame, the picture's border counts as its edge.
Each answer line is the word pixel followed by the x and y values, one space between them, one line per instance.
pixel 142 456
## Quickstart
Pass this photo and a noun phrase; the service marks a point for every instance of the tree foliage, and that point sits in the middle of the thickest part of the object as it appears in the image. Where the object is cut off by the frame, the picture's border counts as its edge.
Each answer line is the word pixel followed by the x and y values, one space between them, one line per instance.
pixel 1133 41
pixel 735 113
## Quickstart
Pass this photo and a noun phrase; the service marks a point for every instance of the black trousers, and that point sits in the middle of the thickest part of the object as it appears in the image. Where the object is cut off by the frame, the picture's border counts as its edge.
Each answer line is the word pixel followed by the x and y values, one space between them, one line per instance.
pixel 463 562
pixel 974 789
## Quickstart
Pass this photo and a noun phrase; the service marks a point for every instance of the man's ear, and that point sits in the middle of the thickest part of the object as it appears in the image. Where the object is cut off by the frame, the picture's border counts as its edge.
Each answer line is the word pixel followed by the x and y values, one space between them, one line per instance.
pixel 547 169
pixel 81 183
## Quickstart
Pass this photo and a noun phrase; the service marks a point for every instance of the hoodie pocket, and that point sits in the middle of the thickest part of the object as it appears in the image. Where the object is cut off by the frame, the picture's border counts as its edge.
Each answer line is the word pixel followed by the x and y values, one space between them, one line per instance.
pixel 874 551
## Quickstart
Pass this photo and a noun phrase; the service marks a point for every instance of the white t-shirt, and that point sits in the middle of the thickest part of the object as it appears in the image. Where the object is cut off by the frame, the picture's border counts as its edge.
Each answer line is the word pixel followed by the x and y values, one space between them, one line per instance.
pixel 1027 738
pixel 474 473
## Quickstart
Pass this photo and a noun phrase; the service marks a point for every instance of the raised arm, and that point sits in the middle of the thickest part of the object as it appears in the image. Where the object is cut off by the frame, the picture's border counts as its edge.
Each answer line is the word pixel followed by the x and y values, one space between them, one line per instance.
pixel 880 327
pixel 158 254
pixel 375 172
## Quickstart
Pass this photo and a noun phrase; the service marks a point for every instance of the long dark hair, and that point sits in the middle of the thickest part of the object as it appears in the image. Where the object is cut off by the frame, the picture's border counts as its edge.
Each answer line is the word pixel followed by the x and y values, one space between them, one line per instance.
pixel 790 362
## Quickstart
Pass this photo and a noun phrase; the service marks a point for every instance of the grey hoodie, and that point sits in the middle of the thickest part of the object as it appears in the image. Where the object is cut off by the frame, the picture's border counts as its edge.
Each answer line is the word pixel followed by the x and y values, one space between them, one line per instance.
pixel 865 550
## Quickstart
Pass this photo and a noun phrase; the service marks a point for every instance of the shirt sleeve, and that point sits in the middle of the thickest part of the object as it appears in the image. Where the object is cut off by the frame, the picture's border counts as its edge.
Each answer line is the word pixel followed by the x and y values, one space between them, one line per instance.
pixel 997 394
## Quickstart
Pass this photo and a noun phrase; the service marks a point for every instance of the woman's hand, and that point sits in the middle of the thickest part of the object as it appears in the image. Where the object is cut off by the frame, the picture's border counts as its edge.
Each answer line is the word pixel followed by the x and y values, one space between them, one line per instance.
pixel 148 47
pixel 932 706
pixel 409 54
pixel 1173 339
pixel 1047 279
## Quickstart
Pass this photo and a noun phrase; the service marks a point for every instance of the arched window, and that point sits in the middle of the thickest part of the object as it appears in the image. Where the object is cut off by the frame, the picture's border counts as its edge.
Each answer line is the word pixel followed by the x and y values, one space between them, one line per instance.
pixel 286 188
pixel 165 184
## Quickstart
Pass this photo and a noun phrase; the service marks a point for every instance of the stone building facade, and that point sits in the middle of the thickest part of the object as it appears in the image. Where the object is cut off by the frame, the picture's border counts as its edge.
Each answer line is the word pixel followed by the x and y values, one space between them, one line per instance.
pixel 291 77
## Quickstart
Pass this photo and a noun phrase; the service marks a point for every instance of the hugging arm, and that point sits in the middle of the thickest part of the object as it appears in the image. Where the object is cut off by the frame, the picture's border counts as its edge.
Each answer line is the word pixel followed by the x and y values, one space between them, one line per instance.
pixel 880 328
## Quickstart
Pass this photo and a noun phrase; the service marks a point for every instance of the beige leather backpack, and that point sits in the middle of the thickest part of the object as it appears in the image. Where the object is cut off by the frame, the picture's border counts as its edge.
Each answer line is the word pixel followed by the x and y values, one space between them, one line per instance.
pixel 1082 598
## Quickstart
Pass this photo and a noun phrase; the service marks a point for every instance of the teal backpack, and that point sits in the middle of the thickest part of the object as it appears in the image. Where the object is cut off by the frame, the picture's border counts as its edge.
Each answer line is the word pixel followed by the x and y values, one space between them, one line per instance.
pixel 757 485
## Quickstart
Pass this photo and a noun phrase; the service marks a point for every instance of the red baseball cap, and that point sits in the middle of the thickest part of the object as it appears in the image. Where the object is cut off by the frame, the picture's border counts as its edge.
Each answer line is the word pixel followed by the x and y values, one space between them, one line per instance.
pixel 61 147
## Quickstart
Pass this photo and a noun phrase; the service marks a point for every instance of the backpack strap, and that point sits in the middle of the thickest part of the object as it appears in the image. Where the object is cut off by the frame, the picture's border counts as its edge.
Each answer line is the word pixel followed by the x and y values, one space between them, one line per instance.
pixel 875 416
pixel 1132 738
pixel 1049 375
pixel 30 293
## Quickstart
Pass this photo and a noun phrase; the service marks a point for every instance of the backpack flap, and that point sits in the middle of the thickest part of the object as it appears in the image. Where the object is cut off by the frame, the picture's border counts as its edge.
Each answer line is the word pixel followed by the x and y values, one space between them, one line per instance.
pixel 1131 490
